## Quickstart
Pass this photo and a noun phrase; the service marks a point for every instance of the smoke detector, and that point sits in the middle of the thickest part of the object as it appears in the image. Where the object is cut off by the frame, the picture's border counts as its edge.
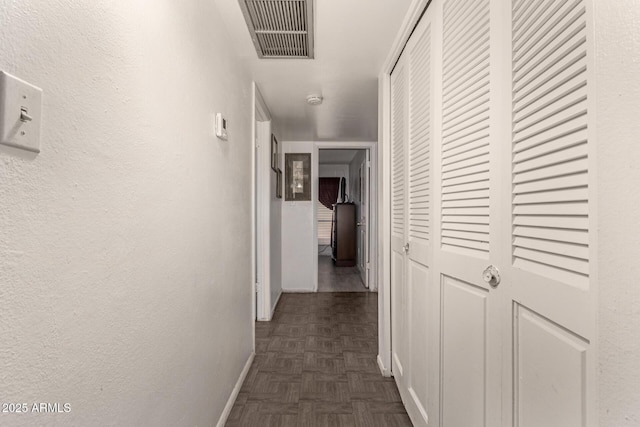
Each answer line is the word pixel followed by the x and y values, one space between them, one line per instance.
pixel 314 99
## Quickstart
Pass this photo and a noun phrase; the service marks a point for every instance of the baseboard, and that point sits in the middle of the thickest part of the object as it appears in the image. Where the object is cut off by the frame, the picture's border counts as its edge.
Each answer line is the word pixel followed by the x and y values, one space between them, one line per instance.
pixel 384 371
pixel 235 391
pixel 297 291
pixel 273 309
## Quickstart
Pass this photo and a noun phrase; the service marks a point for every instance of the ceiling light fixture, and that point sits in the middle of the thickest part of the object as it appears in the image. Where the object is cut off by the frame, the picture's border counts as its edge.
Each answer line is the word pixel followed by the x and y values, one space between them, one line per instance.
pixel 314 99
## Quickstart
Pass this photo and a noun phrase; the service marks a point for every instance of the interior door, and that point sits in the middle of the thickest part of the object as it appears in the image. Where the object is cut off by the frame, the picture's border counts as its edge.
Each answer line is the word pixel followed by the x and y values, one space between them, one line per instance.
pixel 467 187
pixel 492 213
pixel 548 218
pixel 411 283
pixel 363 227
pixel 399 299
pixel 513 172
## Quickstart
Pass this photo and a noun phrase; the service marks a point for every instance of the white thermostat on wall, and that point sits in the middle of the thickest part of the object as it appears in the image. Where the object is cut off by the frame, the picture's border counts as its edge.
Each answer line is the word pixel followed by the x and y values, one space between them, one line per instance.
pixel 221 127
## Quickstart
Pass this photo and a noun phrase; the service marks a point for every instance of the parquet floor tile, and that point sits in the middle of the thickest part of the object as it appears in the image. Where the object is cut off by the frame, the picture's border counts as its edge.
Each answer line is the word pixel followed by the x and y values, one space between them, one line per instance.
pixel 315 366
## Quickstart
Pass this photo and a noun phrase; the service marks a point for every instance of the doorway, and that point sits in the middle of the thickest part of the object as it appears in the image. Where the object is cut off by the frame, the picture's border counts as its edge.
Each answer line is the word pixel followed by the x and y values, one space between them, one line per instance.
pixel 343 218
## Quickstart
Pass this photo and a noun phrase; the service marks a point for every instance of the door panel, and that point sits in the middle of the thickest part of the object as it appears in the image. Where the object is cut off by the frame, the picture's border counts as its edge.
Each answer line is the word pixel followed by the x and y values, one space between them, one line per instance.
pixel 419 218
pixel 548 267
pixel 465 364
pixel 468 191
pixel 411 183
pixel 419 281
pixel 399 318
pixel 548 358
pixel 492 164
pixel 399 331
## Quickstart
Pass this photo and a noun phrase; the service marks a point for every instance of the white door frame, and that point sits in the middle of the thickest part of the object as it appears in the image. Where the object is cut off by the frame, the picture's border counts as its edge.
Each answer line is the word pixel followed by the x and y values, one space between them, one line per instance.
pixel 383 254
pixel 260 209
pixel 372 148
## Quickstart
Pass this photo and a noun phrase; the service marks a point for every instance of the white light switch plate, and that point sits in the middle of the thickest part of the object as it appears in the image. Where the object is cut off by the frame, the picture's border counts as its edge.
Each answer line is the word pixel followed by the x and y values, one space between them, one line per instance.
pixel 17 95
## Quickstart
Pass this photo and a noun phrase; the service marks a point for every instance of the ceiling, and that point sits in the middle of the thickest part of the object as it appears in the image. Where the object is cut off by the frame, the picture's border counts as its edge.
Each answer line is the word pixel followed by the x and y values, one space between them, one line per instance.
pixel 352 40
pixel 336 157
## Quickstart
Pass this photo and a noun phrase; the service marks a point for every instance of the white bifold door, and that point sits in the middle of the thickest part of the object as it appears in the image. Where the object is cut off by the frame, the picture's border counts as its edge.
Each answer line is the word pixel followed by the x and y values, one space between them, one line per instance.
pixel 493 291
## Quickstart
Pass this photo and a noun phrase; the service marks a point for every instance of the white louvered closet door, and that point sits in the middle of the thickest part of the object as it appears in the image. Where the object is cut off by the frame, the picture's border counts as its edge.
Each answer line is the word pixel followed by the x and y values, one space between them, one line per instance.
pixel 411 220
pixel 492 167
pixel 416 393
pixel 549 237
pixel 399 294
pixel 467 187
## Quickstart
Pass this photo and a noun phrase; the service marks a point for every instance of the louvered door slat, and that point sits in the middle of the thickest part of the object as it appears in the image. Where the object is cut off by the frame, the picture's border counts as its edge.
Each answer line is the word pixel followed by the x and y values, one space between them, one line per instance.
pixel 546 108
pixel 474 169
pixel 454 12
pixel 469 210
pixel 576 209
pixel 469 178
pixel 472 117
pixel 465 128
pixel 550 184
pixel 522 12
pixel 578 237
pixel 574 87
pixel 466 244
pixel 555 30
pixel 398 152
pixel 550 169
pixel 462 75
pixel 470 104
pixel 467 90
pixel 555 79
pixel 460 168
pixel 576 265
pixel 471 151
pixel 455 110
pixel 558 130
pixel 473 203
pixel 540 24
pixel 555 170
pixel 569 195
pixel 420 138
pixel 567 147
pixel 559 248
pixel 552 221
pixel 476 36
pixel 464 235
pixel 468 195
pixel 481 229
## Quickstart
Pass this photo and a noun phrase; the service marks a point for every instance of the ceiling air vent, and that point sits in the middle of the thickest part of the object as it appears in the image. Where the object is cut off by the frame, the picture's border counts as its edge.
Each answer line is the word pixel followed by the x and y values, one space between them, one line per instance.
pixel 280 28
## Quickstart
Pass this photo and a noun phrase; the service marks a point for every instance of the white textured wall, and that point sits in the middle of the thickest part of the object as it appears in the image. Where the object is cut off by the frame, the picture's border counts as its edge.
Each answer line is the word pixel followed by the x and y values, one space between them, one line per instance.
pixel 618 128
pixel 299 250
pixel 125 244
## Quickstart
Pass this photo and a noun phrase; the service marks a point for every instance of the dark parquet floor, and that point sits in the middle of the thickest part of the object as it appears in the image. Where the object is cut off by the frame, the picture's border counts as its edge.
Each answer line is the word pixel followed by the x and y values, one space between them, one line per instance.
pixel 315 365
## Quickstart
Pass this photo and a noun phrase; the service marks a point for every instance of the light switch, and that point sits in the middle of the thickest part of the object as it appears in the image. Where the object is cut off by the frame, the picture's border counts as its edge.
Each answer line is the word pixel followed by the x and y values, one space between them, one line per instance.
pixel 20 113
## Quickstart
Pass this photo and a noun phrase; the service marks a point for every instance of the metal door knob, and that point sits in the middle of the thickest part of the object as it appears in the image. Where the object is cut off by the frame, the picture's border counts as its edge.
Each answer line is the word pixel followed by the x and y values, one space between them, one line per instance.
pixel 405 248
pixel 491 275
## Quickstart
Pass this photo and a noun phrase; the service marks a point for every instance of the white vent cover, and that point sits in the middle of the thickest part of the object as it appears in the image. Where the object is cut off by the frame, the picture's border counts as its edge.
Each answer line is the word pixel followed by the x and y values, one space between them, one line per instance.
pixel 280 28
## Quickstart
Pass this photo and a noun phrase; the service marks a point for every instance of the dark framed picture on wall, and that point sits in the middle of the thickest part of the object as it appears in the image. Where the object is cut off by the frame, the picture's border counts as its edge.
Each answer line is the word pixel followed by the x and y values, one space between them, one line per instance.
pixel 297 169
pixel 274 153
pixel 279 184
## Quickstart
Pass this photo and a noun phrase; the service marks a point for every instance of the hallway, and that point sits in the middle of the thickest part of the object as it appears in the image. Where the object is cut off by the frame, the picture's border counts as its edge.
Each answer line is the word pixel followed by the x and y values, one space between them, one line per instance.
pixel 315 365
pixel 338 279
